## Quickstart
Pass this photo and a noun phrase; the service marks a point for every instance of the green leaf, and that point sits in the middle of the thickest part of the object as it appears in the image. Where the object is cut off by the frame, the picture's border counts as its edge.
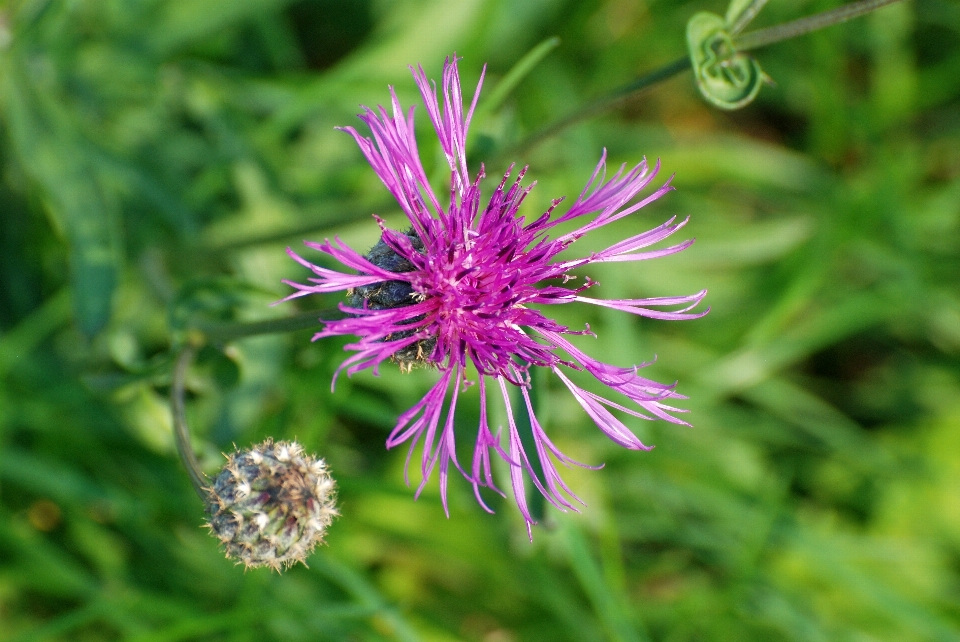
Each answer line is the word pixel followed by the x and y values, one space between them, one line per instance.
pixel 20 341
pixel 211 299
pixel 225 370
pixel 93 278
pixel 49 149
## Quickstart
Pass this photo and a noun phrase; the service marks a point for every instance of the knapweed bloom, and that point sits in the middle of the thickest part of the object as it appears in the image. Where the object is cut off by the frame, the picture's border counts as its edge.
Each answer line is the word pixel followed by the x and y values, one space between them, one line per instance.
pixel 464 290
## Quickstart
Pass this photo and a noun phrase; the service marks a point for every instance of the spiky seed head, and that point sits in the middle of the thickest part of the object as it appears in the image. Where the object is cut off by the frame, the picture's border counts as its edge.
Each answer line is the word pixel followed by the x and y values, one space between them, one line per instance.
pixel 271 504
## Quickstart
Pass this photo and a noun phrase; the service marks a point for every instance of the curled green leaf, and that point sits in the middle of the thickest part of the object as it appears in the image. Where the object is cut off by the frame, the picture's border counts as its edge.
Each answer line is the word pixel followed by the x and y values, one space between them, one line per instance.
pixel 726 77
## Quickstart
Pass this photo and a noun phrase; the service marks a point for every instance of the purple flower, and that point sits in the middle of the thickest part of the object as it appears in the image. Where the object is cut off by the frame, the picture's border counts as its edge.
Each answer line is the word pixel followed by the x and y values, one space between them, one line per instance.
pixel 466 285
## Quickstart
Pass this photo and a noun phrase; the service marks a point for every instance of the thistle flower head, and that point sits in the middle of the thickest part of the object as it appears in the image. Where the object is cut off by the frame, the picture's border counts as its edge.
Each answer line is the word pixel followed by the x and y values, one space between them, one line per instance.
pixel 465 288
pixel 271 504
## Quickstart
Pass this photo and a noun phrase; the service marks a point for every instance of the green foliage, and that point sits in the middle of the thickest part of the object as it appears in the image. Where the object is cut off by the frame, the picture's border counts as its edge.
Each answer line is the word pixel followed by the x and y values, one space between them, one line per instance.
pixel 157 157
pixel 727 78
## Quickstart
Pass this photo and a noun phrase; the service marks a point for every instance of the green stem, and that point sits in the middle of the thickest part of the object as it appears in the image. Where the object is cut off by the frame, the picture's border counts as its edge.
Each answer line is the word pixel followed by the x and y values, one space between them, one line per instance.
pixel 605 103
pixel 181 431
pixel 748 14
pixel 763 37
pixel 751 40
pixel 333 216
pixel 219 333
pixel 223 332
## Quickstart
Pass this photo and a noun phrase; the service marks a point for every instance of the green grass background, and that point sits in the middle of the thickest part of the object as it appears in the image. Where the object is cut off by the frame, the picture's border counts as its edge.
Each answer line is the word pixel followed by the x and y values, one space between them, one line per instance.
pixel 158 155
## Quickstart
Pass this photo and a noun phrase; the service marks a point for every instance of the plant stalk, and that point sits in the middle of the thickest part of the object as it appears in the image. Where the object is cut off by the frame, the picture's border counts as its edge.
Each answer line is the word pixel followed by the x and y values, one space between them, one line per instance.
pixel 181 431
pixel 801 26
pixel 223 332
pixel 616 97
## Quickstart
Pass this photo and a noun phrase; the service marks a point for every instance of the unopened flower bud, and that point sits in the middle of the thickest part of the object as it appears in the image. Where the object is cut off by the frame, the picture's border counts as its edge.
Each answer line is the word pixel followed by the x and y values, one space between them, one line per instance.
pixel 271 504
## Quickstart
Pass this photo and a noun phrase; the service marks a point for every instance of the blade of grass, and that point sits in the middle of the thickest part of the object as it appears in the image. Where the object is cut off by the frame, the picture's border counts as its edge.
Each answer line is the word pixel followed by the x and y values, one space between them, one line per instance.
pixel 365 593
pixel 513 77
pixel 610 607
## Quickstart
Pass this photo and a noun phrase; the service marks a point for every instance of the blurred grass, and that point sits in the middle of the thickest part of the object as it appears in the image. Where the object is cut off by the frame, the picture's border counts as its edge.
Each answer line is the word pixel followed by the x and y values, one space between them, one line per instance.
pixel 158 155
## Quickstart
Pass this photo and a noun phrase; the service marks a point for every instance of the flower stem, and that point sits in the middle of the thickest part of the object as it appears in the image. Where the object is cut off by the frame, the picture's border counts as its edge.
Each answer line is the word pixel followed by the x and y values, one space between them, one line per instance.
pixel 602 104
pixel 787 30
pixel 333 215
pixel 219 333
pixel 181 431
pixel 748 14
pixel 223 332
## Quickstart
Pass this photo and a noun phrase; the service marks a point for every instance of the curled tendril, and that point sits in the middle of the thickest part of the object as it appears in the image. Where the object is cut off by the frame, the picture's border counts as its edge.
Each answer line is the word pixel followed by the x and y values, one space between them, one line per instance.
pixel 726 77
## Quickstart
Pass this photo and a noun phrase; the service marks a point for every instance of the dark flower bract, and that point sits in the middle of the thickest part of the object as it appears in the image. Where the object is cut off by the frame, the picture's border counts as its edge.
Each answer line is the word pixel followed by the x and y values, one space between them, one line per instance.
pixel 462 300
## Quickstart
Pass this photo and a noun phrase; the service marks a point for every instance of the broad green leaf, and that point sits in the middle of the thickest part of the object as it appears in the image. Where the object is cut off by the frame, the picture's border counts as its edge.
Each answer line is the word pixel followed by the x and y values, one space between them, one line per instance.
pixel 51 153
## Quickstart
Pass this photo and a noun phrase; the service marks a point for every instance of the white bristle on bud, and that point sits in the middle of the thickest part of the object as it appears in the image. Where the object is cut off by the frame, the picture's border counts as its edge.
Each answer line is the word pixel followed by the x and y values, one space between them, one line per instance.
pixel 271 504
